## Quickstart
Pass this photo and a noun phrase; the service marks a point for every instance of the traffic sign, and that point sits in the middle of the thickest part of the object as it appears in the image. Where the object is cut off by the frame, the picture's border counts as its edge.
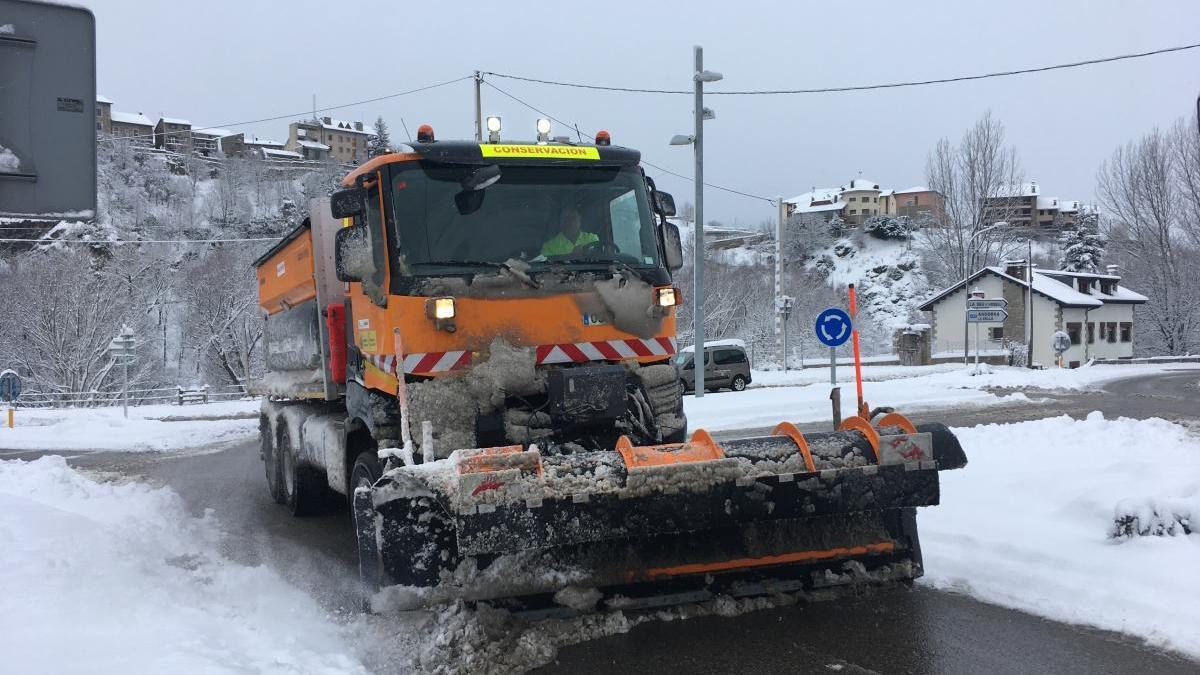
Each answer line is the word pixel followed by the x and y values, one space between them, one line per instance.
pixel 1060 342
pixel 986 315
pixel 990 303
pixel 10 386
pixel 833 327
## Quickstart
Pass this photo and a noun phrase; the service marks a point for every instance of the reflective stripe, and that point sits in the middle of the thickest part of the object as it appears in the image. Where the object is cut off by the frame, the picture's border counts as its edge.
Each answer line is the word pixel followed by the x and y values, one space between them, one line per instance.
pixel 577 352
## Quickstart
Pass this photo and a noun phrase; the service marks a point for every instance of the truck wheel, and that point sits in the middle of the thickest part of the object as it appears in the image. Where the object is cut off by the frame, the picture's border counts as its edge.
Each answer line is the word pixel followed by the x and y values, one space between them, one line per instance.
pixel 738 384
pixel 365 472
pixel 270 460
pixel 300 491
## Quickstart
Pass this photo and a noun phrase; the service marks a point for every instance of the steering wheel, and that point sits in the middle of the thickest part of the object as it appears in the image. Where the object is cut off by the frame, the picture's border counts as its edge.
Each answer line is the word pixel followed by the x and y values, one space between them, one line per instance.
pixel 596 247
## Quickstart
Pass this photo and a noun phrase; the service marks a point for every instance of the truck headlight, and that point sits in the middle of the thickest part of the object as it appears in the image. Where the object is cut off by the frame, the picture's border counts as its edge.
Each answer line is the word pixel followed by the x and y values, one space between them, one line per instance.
pixel 443 308
pixel 667 296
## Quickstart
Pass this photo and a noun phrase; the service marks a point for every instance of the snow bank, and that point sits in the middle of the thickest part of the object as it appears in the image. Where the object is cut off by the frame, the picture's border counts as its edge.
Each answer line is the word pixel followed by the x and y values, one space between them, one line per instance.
pixel 1026 525
pixel 103 578
pixel 149 428
pixel 803 396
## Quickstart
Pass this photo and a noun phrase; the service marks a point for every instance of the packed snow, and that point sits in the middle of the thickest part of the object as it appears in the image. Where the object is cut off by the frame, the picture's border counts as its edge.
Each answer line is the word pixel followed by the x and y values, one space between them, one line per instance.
pixel 1032 523
pixel 928 387
pixel 120 578
pixel 149 428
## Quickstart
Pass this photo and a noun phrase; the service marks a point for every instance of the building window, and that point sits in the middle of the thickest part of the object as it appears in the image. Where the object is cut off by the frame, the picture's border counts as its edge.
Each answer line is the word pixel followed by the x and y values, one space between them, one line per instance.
pixel 1111 331
pixel 996 333
pixel 851 199
pixel 1073 329
pixel 852 211
pixel 1126 331
pixel 1091 331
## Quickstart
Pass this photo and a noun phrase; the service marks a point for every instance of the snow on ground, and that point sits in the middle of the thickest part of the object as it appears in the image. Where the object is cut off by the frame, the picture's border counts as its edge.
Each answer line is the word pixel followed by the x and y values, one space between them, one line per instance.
pixel 119 578
pixel 909 389
pixel 1026 524
pixel 149 427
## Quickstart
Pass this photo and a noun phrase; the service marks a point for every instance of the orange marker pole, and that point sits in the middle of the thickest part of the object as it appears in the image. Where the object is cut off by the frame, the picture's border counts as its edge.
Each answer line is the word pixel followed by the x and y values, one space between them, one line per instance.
pixel 857 357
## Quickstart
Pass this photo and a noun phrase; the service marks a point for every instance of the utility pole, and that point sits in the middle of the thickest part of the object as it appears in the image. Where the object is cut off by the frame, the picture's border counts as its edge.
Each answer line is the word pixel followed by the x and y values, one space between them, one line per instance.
pixel 780 341
pixel 478 109
pixel 696 140
pixel 1029 305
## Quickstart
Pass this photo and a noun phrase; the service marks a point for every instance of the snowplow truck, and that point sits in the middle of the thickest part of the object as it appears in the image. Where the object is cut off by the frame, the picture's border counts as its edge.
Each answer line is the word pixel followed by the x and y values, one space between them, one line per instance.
pixel 473 342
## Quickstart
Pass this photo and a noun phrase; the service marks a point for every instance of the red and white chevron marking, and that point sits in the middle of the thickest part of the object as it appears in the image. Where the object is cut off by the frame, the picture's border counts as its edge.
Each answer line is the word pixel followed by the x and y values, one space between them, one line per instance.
pixel 605 350
pixel 577 352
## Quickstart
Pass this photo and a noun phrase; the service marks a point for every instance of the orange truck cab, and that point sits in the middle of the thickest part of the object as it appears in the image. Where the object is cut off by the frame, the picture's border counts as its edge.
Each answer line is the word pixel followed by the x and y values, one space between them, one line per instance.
pixel 497 293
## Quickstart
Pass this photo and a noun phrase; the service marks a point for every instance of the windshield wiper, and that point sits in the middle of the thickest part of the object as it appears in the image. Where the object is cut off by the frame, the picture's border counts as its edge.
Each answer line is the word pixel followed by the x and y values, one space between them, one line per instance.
pixel 615 262
pixel 506 266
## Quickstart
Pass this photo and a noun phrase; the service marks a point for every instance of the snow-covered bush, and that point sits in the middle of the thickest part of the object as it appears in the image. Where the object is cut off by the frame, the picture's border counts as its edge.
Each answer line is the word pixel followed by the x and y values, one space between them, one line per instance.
pixel 887 227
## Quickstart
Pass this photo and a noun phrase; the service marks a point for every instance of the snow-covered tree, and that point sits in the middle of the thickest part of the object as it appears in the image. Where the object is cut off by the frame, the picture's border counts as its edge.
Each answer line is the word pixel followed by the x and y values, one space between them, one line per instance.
pixel 836 227
pixel 379 142
pixel 887 227
pixel 1082 249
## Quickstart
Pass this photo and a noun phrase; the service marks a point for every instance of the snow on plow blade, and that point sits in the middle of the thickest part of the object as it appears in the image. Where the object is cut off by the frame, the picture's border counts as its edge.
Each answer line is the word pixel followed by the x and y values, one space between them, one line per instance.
pixel 505 522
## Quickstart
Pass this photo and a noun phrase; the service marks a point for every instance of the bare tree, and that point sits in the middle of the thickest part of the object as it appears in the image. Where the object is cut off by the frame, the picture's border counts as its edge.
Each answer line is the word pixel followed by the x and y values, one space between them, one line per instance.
pixel 222 322
pixel 976 178
pixel 1145 188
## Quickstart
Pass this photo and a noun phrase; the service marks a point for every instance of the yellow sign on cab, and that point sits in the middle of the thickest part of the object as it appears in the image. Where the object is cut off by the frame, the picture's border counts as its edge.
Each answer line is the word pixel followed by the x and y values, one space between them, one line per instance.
pixel 538 151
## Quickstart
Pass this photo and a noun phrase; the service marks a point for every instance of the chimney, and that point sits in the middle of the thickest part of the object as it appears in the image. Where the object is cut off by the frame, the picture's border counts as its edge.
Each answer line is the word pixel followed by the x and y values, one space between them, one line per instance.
pixel 326 120
pixel 1114 270
pixel 1015 268
pixel 358 126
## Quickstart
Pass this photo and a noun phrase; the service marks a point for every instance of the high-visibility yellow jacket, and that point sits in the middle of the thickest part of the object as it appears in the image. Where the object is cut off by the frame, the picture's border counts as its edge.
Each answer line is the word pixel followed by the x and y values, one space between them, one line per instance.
pixel 560 245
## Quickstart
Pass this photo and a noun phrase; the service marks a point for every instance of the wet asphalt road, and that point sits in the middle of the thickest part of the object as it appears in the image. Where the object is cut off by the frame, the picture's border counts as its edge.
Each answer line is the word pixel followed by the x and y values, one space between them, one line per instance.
pixel 891 631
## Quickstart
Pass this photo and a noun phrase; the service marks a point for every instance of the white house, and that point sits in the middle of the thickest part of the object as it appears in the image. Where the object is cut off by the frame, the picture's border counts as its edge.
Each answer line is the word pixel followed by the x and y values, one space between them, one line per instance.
pixel 1094 309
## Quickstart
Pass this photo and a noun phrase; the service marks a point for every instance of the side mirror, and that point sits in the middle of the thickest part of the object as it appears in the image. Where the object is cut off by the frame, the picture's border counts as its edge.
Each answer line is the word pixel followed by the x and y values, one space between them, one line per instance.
pixel 347 202
pixel 672 246
pixel 352 257
pixel 664 203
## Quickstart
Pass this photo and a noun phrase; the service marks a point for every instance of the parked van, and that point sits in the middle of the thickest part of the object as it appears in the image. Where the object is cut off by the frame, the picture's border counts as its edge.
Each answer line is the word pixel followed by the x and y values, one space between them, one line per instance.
pixel 725 366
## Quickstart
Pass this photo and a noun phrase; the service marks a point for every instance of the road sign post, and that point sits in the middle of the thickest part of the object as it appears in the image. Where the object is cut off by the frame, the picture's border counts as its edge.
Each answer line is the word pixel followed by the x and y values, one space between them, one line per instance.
pixel 833 328
pixel 1060 342
pixel 121 349
pixel 10 391
pixel 984 310
pixel 783 307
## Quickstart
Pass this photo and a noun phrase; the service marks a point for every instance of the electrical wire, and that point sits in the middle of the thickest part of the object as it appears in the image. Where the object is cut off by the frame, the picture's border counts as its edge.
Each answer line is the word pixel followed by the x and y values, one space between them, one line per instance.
pixel 118 242
pixel 644 161
pixel 200 129
pixel 863 87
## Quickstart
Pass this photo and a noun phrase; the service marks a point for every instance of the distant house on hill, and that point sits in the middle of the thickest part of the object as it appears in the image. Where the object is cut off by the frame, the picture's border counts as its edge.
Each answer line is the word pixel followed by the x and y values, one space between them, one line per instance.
pixel 861 199
pixel 1095 310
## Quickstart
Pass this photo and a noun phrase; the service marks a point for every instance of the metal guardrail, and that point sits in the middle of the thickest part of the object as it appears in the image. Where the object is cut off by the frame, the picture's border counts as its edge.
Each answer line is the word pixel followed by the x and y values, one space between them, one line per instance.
pixel 100 399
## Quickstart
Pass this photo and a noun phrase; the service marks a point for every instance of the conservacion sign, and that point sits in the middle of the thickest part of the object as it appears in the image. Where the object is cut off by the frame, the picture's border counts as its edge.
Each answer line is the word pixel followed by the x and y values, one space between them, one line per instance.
pixel 538 151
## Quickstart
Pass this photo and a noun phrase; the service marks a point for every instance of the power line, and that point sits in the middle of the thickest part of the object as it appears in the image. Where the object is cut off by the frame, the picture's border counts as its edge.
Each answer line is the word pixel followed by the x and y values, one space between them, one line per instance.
pixel 644 161
pixel 200 129
pixel 100 242
pixel 863 87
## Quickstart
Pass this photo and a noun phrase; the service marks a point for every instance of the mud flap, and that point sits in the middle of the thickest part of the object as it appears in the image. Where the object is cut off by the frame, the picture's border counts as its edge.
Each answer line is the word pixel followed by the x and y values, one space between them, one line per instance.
pixel 370 569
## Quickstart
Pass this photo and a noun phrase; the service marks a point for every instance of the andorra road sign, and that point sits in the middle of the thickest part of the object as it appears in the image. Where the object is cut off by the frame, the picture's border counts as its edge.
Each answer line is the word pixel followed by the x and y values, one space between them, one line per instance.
pixel 986 315
pixel 988 303
pixel 833 327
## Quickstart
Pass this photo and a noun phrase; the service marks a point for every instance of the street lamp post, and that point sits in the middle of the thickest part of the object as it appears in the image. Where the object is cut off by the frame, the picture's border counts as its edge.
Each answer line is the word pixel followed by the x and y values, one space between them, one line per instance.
pixel 696 140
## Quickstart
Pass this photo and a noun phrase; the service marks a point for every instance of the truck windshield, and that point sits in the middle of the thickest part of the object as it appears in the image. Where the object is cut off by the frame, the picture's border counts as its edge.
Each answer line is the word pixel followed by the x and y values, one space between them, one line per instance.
pixel 571 216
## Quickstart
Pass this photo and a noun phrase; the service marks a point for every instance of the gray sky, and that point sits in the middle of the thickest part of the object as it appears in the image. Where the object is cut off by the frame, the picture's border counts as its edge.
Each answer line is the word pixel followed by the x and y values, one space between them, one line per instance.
pixel 218 62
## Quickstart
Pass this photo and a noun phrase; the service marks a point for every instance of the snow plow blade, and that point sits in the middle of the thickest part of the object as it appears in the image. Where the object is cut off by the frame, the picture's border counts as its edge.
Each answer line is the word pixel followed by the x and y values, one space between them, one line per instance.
pixel 760 514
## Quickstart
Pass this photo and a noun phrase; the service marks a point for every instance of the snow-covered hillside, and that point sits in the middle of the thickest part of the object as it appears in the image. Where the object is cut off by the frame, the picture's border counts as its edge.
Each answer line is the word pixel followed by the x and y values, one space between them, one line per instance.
pixel 887 273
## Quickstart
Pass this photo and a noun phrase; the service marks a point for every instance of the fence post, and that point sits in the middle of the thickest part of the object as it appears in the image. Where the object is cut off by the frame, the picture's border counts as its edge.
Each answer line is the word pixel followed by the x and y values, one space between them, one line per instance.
pixel 205 389
pixel 179 393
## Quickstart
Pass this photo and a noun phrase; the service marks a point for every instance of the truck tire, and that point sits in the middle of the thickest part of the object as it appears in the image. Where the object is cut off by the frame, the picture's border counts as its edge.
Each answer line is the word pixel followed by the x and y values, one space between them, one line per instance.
pixel 270 460
pixel 366 470
pixel 301 492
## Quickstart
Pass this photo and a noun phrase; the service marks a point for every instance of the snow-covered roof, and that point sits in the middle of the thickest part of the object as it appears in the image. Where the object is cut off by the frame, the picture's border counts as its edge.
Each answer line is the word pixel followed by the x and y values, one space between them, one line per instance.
pixel 343 125
pixel 1057 290
pixel 218 133
pixel 1047 202
pixel 861 184
pixel 289 154
pixel 915 188
pixel 265 142
pixel 1075 275
pixel 886 193
pixel 175 120
pixel 1069 206
pixel 1119 294
pixel 312 144
pixel 1023 190
pixel 819 200
pixel 131 118
pixel 709 344
pixel 103 99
